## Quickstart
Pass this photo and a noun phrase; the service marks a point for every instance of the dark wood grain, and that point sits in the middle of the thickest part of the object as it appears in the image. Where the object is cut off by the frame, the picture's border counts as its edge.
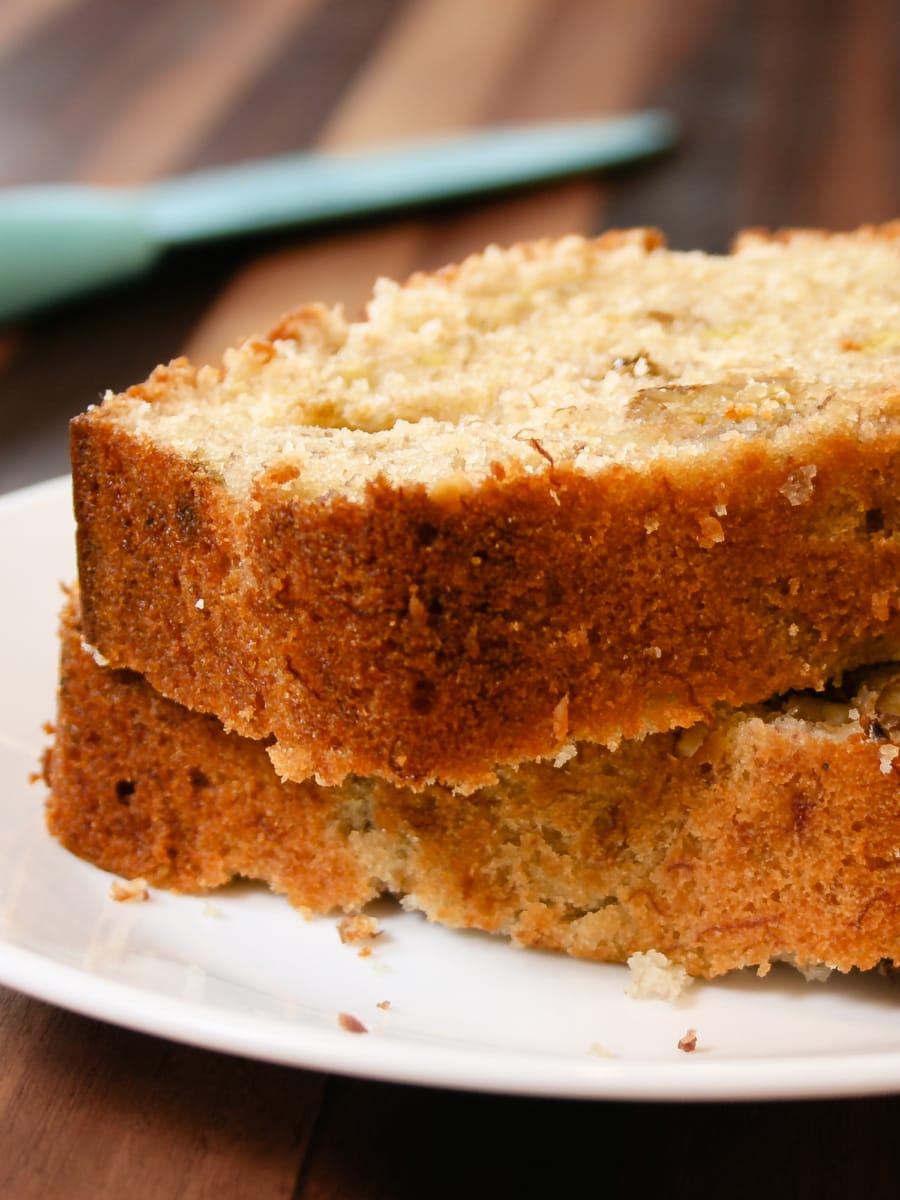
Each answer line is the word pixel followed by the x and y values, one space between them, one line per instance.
pixel 790 114
pixel 140 1115
pixel 382 1142
pixel 302 85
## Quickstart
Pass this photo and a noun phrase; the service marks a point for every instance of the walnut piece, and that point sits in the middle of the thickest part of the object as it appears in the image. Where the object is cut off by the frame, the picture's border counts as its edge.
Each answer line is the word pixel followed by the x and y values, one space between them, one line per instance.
pixel 689 1042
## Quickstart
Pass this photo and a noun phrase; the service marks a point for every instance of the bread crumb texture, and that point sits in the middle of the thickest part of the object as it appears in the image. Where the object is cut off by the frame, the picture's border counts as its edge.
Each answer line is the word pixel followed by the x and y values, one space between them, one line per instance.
pixel 577 352
pixel 575 490
pixel 773 836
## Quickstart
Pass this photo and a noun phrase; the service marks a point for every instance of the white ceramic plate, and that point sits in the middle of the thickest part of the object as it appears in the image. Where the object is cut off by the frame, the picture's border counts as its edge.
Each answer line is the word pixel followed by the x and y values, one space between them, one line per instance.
pixel 242 972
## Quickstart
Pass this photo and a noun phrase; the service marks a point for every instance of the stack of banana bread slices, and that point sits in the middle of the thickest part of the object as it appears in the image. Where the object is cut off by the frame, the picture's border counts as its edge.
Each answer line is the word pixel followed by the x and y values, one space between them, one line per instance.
pixel 556 597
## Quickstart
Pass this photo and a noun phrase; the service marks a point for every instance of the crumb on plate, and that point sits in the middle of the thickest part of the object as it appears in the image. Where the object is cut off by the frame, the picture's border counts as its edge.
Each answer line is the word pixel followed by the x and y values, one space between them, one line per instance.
pixel 689 1042
pixel 129 890
pixel 351 1024
pixel 600 1051
pixel 653 976
pixel 357 927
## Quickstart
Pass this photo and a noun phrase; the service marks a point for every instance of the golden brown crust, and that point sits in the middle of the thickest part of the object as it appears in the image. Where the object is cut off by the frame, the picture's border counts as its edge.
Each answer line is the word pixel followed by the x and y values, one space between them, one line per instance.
pixel 146 789
pixel 420 632
pixel 766 839
pixel 416 637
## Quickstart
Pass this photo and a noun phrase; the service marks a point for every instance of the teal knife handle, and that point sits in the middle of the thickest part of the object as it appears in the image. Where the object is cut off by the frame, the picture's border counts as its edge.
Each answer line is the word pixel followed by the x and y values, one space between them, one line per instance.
pixel 59 240
pixel 313 187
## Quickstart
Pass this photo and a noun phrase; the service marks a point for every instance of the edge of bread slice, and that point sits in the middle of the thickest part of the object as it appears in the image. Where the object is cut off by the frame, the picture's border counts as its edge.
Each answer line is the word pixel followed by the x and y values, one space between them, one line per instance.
pixel 771 834
pixel 576 490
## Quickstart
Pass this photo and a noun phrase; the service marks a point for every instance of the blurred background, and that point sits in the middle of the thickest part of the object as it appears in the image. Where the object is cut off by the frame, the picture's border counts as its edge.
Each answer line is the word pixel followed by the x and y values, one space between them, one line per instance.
pixel 790 115
pixel 788 111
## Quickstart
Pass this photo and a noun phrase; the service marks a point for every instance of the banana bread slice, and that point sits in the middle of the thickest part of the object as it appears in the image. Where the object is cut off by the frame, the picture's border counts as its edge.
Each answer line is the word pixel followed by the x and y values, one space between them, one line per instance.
pixel 574 490
pixel 773 833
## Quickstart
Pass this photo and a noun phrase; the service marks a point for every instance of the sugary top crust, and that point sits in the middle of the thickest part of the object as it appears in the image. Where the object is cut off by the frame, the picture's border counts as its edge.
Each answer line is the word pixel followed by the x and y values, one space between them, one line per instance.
pixel 573 353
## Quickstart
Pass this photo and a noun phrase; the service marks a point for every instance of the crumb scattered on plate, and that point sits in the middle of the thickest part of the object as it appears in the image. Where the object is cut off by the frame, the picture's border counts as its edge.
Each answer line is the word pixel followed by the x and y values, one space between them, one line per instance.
pixel 358 927
pixel 600 1051
pixel 385 1004
pixel 129 891
pixel 689 1042
pixel 350 1023
pixel 654 976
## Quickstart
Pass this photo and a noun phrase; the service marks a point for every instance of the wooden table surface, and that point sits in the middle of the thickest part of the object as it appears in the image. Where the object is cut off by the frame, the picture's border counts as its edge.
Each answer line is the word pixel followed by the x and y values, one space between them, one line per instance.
pixel 791 115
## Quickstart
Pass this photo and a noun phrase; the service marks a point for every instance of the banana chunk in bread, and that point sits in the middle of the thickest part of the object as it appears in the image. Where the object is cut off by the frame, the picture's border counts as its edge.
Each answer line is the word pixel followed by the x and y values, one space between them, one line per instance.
pixel 772 833
pixel 580 490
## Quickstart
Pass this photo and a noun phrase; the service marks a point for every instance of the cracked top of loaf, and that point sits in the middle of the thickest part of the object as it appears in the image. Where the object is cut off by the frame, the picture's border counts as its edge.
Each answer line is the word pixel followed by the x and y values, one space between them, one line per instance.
pixel 577 352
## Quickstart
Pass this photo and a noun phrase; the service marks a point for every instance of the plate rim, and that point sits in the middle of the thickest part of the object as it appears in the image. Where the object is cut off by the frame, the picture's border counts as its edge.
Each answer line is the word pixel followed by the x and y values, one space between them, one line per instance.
pixel 849 1074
